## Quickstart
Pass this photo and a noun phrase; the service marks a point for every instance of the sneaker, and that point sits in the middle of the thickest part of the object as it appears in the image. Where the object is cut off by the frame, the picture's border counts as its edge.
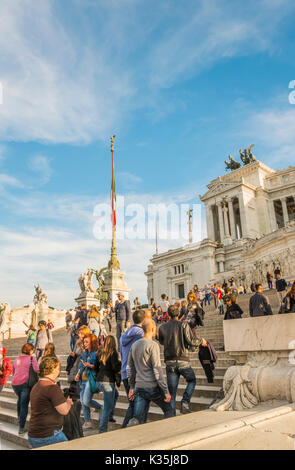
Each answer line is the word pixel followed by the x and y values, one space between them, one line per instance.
pixel 112 420
pixel 132 422
pixel 184 407
pixel 22 431
pixel 87 425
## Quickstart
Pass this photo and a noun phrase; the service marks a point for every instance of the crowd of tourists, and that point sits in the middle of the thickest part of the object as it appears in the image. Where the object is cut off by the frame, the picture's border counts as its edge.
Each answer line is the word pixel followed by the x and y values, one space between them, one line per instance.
pixel 98 361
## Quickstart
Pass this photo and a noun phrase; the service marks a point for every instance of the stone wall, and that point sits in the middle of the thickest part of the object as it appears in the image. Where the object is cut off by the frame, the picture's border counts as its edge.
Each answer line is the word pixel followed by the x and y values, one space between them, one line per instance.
pixel 14 324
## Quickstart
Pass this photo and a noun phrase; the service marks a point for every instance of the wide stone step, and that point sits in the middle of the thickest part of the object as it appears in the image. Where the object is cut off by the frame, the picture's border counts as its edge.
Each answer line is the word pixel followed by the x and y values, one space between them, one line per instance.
pixel 197 368
pixel 8 415
pixel 202 396
pixel 224 360
pixel 9 433
pixel 201 378
pixel 9 428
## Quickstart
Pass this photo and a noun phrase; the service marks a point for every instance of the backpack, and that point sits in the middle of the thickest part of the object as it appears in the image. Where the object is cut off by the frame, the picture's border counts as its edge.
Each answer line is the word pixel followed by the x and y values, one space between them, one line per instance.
pixel 235 314
pixel 32 336
pixel 93 324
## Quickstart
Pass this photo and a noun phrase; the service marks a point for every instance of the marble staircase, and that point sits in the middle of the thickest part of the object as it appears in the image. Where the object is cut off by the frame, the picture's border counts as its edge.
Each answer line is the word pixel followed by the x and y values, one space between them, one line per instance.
pixel 202 398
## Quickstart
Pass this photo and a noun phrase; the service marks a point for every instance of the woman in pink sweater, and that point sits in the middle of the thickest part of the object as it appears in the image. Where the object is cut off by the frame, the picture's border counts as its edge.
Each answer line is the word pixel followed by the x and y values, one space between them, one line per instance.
pixel 20 385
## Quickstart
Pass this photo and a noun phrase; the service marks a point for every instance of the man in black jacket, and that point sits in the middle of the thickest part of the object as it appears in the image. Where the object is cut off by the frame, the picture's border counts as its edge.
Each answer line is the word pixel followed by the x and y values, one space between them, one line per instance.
pixel 259 304
pixel 177 338
pixel 123 316
pixel 82 315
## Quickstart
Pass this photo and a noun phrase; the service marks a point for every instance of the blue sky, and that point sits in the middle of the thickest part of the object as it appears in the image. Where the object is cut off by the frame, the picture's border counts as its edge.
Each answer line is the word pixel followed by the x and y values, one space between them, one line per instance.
pixel 181 84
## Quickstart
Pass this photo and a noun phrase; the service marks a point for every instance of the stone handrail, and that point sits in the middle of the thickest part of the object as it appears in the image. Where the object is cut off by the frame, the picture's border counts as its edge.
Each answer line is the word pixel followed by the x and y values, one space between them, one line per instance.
pixel 266 348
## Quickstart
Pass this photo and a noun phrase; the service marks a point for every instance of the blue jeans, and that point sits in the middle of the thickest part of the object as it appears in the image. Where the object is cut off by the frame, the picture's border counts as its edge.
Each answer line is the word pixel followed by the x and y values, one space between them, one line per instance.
pixel 143 397
pixel 174 369
pixel 23 399
pixel 207 299
pixel 86 400
pixel 73 342
pixel 130 410
pixel 58 436
pixel 116 398
pixel 108 390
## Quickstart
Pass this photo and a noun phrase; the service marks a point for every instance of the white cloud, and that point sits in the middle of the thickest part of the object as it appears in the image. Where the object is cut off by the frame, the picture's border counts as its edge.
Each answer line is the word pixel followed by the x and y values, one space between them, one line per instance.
pixel 41 165
pixel 2 152
pixel 56 258
pixel 6 180
pixel 56 244
pixel 54 90
pixel 272 130
pixel 128 180
pixel 207 32
pixel 70 84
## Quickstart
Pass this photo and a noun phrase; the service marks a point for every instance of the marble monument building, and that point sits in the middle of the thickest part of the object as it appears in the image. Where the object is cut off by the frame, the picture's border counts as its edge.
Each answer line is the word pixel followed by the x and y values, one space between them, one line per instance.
pixel 250 216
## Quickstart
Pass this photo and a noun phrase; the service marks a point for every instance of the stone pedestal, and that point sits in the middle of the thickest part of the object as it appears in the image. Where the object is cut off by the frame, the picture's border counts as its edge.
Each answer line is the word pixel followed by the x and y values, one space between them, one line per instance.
pixel 42 311
pixel 266 347
pixel 114 282
pixel 88 299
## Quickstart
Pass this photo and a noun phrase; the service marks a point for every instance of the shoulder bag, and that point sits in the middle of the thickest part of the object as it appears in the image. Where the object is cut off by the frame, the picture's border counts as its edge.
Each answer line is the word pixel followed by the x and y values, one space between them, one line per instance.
pixel 33 376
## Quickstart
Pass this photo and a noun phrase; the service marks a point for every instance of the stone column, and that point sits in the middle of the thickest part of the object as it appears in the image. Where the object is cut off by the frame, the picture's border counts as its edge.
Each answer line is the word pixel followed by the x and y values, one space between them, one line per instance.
pixel 232 219
pixel 187 287
pixel 285 210
pixel 170 293
pixel 221 266
pixel 226 225
pixel 243 216
pixel 272 215
pixel 220 218
pixel 210 225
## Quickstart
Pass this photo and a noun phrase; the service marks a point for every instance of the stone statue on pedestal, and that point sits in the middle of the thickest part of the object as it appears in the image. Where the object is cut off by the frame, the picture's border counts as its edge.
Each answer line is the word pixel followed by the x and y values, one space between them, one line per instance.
pixel 231 163
pixel 101 294
pixel 4 316
pixel 247 156
pixel 85 282
pixel 41 304
pixel 90 295
pixel 40 297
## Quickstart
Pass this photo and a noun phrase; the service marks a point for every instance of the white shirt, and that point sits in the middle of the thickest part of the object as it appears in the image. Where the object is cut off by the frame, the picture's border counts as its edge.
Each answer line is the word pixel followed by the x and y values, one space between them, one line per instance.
pixel 164 304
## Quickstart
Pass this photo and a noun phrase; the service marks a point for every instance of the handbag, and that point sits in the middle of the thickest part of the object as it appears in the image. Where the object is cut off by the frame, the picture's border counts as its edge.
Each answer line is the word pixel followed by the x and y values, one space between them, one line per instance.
pixel 33 376
pixel 235 314
pixel 92 382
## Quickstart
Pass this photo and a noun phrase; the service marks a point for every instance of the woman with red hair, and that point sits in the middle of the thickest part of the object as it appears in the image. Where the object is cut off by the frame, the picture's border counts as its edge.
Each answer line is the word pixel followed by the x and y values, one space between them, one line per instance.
pixel 5 368
pixel 86 368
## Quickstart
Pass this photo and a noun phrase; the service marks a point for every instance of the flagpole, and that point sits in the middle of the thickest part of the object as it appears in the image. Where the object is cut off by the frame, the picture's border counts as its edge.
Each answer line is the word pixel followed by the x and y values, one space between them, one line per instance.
pixel 157 237
pixel 113 263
